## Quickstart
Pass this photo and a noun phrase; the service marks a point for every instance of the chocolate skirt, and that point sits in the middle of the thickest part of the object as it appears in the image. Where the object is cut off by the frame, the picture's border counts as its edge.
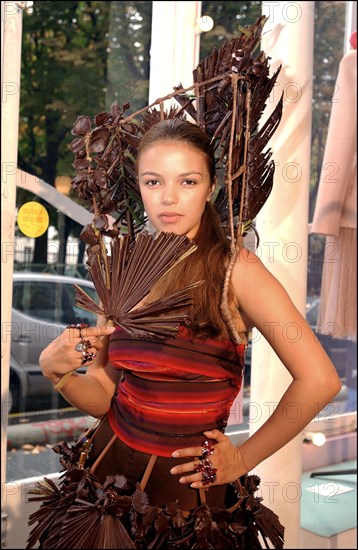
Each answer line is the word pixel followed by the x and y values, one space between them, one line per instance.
pixel 84 513
pixel 162 486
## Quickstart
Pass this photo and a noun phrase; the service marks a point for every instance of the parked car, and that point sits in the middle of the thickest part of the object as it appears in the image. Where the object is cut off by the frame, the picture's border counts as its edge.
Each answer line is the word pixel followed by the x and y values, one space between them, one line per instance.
pixel 43 304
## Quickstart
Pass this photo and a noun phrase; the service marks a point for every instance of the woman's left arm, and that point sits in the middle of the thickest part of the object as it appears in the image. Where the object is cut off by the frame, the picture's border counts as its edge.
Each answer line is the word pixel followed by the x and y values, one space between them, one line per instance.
pixel 314 378
pixel 315 382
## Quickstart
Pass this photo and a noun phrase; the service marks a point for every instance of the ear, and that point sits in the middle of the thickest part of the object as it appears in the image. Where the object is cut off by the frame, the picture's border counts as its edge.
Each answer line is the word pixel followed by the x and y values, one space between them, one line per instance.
pixel 211 190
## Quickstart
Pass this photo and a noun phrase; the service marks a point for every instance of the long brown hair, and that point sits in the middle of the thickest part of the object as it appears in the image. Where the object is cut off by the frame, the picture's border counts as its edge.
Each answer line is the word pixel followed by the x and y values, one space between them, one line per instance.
pixel 208 263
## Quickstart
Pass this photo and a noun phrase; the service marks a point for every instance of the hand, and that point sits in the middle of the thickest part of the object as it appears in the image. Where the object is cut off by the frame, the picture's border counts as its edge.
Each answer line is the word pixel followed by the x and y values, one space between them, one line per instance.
pixel 226 458
pixel 60 356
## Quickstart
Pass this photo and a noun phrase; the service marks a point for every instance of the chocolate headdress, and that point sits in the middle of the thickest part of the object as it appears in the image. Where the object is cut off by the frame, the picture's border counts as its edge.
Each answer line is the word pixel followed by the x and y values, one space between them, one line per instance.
pixel 228 96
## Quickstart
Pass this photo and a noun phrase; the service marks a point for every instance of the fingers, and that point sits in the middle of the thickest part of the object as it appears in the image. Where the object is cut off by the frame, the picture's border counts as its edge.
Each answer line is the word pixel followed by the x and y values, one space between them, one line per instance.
pixel 187 468
pixel 184 468
pixel 75 347
pixel 99 332
pixel 88 332
pixel 189 451
pixel 78 345
pixel 197 451
pixel 201 474
pixel 93 335
pixel 203 471
pixel 217 435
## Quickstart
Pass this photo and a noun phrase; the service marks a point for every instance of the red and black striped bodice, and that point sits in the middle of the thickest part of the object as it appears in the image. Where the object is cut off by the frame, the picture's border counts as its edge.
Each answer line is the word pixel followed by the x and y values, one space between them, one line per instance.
pixel 172 390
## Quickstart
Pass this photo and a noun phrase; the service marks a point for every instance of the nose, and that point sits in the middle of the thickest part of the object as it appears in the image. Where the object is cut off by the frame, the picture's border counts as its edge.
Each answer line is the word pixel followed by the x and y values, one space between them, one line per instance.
pixel 169 195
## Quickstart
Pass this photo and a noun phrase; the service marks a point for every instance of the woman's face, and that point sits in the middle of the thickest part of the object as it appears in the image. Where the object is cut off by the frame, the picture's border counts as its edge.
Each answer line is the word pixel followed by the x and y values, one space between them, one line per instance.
pixel 175 185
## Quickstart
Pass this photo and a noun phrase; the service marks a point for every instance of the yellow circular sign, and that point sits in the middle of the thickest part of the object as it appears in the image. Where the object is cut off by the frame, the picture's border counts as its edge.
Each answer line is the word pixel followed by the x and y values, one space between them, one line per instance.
pixel 33 219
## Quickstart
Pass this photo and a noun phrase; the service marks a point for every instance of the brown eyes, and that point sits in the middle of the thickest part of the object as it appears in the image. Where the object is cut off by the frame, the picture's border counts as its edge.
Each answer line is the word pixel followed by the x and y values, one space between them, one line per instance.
pixel 153 183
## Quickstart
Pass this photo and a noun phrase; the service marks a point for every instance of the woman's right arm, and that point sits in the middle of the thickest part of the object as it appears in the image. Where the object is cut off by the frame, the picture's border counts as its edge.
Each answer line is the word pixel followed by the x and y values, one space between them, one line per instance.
pixel 90 392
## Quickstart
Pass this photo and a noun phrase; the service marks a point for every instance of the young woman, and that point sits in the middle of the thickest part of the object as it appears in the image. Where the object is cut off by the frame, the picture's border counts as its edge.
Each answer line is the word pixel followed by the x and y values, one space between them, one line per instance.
pixel 167 398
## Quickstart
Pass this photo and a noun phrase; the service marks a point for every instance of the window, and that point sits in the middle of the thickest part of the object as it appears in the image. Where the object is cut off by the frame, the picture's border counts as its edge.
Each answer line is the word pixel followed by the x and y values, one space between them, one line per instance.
pixel 51 301
pixel 330 21
pixel 76 60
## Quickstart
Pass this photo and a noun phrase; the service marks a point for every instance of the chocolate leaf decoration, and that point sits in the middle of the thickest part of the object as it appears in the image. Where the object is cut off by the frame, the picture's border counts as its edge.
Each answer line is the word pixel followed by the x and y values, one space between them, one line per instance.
pixel 81 126
pixel 140 501
pixel 77 144
pixel 80 164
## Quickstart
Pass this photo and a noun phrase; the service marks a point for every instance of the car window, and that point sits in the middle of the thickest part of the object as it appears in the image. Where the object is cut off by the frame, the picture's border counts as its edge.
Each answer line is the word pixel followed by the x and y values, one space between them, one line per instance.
pixel 51 301
pixel 81 315
pixel 17 296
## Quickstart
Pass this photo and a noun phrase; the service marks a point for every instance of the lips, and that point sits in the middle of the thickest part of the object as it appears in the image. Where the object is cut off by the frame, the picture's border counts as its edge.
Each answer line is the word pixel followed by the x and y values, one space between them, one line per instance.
pixel 170 217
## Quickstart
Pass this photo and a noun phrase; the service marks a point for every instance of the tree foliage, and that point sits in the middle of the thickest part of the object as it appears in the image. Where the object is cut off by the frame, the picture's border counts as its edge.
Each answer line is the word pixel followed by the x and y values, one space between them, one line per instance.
pixel 328 52
pixel 228 17
pixel 78 57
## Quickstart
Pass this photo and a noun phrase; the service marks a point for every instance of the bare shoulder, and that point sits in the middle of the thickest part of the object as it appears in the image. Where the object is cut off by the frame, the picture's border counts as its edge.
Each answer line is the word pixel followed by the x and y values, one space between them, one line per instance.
pixel 248 267
pixel 249 271
pixel 246 258
pixel 258 294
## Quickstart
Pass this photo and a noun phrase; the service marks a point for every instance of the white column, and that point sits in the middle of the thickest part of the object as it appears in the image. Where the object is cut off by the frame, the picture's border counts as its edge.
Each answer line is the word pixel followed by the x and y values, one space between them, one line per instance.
pixel 282 226
pixel 351 24
pixel 174 51
pixel 11 22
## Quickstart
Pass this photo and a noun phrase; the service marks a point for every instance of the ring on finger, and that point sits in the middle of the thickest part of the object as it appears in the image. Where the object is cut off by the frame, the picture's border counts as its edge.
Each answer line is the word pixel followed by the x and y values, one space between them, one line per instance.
pixel 81 327
pixel 205 466
pixel 87 357
pixel 208 472
pixel 78 326
pixel 82 345
pixel 207 449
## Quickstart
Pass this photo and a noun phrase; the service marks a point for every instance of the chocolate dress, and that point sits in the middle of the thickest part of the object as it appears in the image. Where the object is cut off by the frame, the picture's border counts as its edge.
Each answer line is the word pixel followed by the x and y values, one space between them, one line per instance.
pixel 170 392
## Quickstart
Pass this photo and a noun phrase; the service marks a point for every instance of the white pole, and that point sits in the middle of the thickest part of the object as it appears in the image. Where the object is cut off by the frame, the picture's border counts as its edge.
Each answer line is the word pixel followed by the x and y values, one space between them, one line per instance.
pixel 174 51
pixel 282 225
pixel 11 23
pixel 351 25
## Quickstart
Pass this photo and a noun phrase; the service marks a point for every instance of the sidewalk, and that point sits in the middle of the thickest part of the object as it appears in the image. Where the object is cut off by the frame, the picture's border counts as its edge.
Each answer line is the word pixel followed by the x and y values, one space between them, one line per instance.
pixel 47 431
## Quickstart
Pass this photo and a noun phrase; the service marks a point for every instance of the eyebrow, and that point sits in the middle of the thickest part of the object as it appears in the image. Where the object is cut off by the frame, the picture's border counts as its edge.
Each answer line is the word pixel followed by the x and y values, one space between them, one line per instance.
pixel 180 175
